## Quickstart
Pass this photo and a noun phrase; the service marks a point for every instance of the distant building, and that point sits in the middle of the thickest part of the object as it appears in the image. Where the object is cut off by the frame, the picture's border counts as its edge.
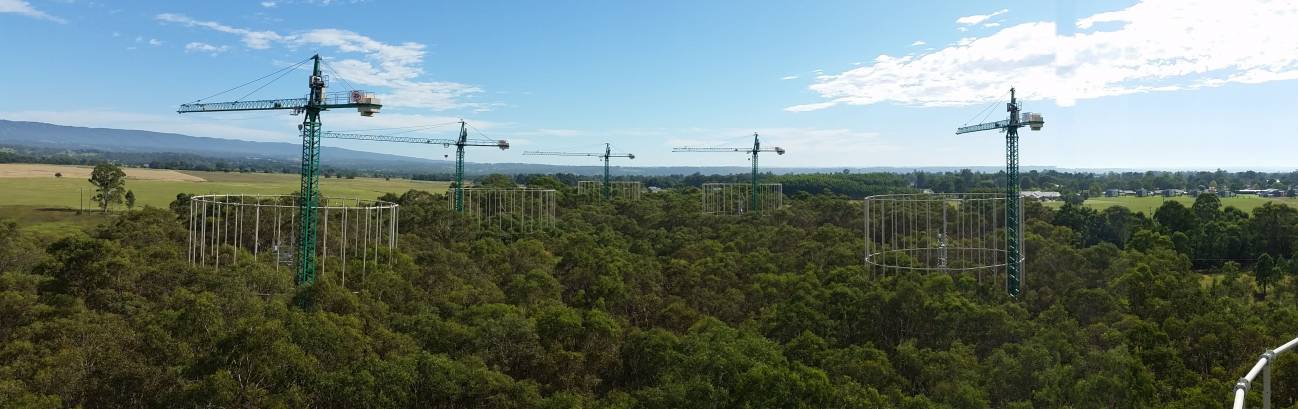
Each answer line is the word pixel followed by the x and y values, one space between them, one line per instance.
pixel 1171 192
pixel 1041 195
pixel 1112 193
pixel 1142 192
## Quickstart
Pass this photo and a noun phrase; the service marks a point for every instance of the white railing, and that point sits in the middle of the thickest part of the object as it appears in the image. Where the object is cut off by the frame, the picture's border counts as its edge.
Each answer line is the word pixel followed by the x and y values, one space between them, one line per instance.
pixel 1262 366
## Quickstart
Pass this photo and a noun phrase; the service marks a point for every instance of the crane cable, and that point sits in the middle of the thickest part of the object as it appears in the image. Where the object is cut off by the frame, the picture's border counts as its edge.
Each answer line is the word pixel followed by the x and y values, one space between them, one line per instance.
pixel 340 76
pixel 986 109
pixel 288 68
pixel 286 72
pixel 403 128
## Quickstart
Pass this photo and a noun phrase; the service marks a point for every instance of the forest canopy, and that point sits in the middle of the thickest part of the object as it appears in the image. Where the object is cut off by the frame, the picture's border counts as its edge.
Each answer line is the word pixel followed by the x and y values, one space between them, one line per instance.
pixel 649 304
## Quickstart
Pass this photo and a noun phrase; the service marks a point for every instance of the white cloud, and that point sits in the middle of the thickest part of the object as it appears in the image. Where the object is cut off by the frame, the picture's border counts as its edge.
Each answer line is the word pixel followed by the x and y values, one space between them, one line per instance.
pixel 268 4
pixel 789 77
pixel 253 39
pixel 197 47
pixel 917 43
pixel 978 18
pixel 1155 45
pixel 810 107
pixel 397 67
pixel 991 25
pixel 24 8
pixel 155 42
pixel 563 133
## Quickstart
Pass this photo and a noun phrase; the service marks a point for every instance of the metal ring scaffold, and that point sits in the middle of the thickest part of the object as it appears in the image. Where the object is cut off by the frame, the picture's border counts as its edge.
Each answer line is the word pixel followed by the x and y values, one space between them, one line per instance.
pixel 627 190
pixel 224 228
pixel 1262 367
pixel 736 198
pixel 951 232
pixel 511 210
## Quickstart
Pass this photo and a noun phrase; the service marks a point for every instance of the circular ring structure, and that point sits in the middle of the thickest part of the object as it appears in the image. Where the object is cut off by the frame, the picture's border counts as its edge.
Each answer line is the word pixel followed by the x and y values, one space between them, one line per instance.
pixel 628 190
pixel 225 229
pixel 737 198
pixel 951 232
pixel 519 210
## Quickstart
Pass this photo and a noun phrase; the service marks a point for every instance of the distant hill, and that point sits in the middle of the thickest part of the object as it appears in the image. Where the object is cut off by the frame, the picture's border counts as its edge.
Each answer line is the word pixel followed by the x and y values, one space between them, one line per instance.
pixel 43 135
pixel 51 136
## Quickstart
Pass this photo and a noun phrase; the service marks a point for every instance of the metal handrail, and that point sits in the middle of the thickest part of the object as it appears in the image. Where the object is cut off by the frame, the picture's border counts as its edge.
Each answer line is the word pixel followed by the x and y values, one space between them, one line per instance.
pixel 1262 366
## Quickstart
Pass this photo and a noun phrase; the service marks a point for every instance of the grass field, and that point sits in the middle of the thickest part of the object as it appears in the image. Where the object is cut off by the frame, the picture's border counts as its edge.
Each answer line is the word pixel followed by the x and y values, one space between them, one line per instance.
pixel 1149 204
pixel 40 201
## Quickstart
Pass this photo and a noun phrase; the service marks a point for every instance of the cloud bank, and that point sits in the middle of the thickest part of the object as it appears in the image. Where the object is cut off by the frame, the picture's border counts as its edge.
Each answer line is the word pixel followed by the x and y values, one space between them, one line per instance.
pixel 397 67
pixel 24 8
pixel 1152 46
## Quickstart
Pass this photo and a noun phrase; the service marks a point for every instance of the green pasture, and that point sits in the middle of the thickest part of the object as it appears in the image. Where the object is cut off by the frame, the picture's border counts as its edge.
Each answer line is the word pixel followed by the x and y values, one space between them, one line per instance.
pixel 1151 203
pixel 49 204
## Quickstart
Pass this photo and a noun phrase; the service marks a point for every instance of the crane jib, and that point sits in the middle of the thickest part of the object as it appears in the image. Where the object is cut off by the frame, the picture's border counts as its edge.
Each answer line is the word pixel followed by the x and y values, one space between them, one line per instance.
pixel 983 127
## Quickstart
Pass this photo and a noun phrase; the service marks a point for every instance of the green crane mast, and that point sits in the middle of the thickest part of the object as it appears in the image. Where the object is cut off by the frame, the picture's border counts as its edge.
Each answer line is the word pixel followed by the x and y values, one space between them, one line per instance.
pixel 316 101
pixel 1013 201
pixel 608 153
pixel 459 143
pixel 757 147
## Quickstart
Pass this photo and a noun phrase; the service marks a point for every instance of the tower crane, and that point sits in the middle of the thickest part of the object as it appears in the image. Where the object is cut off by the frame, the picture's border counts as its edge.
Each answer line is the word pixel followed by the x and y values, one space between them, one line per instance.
pixel 757 147
pixel 608 153
pixel 1014 204
pixel 459 143
pixel 316 101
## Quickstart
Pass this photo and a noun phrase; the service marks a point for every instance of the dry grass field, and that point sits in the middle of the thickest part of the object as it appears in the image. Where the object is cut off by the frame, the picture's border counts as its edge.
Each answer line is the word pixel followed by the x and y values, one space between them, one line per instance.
pixel 37 200
pixel 37 170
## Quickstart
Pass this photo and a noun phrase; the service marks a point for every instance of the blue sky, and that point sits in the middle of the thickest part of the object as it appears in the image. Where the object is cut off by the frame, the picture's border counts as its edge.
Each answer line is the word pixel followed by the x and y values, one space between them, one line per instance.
pixel 1152 84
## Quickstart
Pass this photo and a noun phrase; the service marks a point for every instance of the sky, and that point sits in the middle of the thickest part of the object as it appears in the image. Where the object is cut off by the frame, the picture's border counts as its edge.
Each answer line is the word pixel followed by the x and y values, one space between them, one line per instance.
pixel 1153 84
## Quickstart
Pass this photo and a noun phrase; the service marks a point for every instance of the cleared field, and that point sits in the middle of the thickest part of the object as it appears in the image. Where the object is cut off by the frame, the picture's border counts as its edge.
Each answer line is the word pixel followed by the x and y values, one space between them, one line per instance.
pixel 42 203
pixel 1149 204
pixel 36 170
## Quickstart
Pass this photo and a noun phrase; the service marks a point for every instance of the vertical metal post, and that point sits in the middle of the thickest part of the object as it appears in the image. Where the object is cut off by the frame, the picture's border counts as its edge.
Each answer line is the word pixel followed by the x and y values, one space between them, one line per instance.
pixel 1266 382
pixel 459 168
pixel 190 243
pixel 256 232
pixel 752 200
pixel 343 246
pixel 607 187
pixel 278 249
